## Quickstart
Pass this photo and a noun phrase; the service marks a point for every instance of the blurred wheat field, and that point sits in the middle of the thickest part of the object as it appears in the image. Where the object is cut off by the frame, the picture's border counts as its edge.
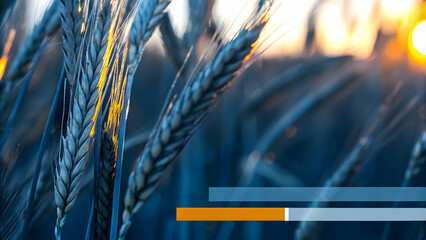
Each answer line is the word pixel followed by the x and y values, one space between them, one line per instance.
pixel 116 112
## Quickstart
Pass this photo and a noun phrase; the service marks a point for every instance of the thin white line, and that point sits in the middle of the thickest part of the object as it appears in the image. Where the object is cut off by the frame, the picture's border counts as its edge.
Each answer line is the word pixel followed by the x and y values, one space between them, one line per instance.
pixel 286 214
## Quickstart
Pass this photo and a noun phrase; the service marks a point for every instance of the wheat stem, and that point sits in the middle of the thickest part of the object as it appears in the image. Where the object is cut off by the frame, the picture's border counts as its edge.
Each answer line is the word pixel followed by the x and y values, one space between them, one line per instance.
pixel 417 160
pixel 308 103
pixel 11 120
pixel 415 166
pixel 422 235
pixel 136 140
pixel 297 73
pixel 36 190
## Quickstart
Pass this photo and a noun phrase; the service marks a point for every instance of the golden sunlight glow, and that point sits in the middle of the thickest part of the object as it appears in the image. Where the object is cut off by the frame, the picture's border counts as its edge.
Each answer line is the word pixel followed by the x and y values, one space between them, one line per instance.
pixel 342 26
pixel 341 32
pixel 5 55
pixel 331 30
pixel 285 32
pixel 230 16
pixel 397 8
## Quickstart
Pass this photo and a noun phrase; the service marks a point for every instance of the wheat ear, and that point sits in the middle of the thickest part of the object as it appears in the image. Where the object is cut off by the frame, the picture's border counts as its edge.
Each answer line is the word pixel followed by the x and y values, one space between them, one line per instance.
pixel 148 16
pixel 179 123
pixel 44 29
pixel 199 16
pixel 78 138
pixel 172 45
pixel 71 35
pixel 104 191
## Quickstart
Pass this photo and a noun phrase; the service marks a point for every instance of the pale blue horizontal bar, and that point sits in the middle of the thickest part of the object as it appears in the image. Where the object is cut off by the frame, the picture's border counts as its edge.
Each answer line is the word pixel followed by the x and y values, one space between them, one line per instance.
pixel 322 194
pixel 357 214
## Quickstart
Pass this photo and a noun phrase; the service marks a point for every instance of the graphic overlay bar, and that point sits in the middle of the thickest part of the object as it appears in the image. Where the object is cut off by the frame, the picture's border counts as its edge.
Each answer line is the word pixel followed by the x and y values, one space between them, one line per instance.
pixel 231 214
pixel 309 194
pixel 300 214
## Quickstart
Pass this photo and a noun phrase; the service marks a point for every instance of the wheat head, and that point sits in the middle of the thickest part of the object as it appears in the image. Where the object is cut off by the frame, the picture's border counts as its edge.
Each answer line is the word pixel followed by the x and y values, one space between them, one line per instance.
pixel 71 11
pixel 104 190
pixel 148 16
pixel 81 121
pixel 179 123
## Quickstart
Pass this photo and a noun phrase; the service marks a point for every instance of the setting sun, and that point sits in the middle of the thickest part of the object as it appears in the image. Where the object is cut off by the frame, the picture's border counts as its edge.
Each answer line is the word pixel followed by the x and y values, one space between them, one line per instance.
pixel 417 42
pixel 418 37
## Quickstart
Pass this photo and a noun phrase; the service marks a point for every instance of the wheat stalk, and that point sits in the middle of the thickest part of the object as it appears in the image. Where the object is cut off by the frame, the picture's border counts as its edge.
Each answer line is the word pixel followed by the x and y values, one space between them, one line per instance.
pixel 44 186
pixel 344 175
pixel 294 74
pixel 42 201
pixel 72 24
pixel 81 120
pixel 417 160
pixel 179 123
pixel 44 29
pixel 308 103
pixel 422 235
pixel 415 166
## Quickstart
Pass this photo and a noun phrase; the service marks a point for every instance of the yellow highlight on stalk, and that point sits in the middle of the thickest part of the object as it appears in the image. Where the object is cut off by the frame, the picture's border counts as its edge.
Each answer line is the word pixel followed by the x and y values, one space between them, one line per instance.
pixel 7 46
pixel 3 62
pixel 253 49
pixel 103 73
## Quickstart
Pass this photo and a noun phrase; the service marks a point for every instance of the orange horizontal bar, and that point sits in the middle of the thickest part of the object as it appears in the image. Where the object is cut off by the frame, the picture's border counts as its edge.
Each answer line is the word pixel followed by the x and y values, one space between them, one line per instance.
pixel 230 214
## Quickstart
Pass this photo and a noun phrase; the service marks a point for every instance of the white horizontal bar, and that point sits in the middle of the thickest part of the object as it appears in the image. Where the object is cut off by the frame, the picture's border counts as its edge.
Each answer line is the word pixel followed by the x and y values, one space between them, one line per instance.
pixel 357 214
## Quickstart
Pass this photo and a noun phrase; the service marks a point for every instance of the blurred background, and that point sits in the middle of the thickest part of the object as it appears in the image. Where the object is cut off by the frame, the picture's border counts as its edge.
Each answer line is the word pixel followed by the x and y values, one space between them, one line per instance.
pixel 291 119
